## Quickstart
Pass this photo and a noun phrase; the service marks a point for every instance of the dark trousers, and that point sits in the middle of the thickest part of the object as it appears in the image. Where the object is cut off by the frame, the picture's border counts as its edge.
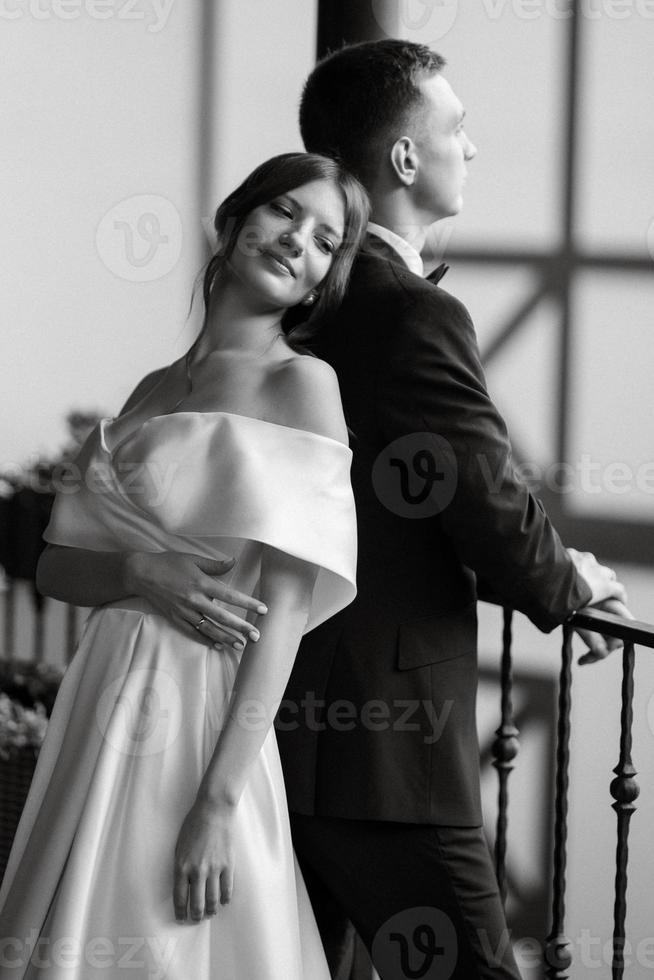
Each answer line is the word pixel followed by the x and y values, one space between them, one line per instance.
pixel 423 898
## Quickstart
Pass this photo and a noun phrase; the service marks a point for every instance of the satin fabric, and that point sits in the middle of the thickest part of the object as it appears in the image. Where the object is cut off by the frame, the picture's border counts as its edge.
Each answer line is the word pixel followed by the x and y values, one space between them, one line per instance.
pixel 88 887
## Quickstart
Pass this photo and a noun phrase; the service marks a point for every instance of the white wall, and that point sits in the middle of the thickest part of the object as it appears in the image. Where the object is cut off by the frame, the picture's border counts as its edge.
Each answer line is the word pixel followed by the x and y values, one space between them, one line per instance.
pixel 94 112
pixel 99 112
pixel 264 51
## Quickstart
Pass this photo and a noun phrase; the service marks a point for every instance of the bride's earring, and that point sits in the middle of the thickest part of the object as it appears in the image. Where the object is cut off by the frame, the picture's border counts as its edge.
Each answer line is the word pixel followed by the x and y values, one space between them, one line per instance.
pixel 310 299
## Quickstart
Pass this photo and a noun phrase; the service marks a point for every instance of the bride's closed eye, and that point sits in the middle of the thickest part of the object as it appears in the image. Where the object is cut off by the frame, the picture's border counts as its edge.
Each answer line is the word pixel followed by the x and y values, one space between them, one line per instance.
pixel 281 209
pixel 326 245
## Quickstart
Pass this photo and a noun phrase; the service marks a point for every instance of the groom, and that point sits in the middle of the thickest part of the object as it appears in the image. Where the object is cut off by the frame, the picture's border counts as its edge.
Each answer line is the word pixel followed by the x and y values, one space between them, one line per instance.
pixel 377 729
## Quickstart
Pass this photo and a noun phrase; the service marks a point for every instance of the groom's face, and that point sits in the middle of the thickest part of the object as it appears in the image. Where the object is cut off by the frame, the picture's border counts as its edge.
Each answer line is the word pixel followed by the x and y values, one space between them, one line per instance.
pixel 443 150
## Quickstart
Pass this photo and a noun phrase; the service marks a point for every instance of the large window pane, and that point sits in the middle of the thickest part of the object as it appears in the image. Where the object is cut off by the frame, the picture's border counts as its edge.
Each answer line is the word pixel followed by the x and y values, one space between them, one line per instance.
pixel 616 138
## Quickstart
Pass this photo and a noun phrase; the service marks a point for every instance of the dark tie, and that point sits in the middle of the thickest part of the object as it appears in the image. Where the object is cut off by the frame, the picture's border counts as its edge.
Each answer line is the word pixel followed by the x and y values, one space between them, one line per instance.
pixel 438 273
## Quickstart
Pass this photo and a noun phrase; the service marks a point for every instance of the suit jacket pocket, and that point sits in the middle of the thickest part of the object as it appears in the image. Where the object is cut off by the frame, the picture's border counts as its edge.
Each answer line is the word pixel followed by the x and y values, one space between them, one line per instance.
pixel 434 639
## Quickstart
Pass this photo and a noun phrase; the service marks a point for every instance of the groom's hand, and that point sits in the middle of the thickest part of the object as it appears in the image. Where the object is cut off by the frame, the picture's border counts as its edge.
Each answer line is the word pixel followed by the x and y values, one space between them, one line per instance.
pixel 607 594
pixel 601 579
pixel 599 646
pixel 184 586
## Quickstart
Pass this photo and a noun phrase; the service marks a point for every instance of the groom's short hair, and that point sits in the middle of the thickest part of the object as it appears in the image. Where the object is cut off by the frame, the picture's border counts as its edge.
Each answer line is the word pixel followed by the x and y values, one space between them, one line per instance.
pixel 358 100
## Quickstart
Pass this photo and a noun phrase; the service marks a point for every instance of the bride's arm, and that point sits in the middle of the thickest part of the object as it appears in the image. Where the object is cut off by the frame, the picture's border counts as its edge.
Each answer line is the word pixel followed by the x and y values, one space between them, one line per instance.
pixel 204 857
pixel 287 584
pixel 82 577
pixel 181 586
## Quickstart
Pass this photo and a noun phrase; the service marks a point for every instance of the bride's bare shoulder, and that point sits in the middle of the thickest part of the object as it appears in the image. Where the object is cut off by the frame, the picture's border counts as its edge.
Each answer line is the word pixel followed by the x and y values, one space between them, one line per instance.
pixel 307 396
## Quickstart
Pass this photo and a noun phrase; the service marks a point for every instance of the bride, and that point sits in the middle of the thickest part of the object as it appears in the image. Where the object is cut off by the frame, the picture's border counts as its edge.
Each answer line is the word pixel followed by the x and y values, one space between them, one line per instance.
pixel 155 836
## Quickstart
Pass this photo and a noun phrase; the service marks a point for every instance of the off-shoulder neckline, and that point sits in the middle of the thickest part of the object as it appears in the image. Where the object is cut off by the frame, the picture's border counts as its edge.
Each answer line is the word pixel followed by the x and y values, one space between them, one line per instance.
pixel 235 415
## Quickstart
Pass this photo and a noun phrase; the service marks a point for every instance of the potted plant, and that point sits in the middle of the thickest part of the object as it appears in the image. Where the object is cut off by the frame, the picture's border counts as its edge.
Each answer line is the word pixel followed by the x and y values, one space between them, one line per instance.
pixel 27 694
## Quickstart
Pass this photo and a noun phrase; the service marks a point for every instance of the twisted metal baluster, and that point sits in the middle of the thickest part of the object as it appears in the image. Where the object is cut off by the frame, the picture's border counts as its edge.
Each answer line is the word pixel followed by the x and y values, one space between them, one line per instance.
pixel 71 632
pixel 624 790
pixel 558 958
pixel 10 618
pixel 505 749
pixel 38 606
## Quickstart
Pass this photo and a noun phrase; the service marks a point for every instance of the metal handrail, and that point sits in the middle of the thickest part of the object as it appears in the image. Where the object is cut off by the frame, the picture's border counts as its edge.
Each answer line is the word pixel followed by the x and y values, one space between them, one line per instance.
pixel 629 630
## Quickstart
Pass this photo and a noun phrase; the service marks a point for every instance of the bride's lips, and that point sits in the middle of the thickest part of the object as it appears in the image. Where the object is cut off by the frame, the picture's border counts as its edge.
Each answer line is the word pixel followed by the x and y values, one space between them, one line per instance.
pixel 280 263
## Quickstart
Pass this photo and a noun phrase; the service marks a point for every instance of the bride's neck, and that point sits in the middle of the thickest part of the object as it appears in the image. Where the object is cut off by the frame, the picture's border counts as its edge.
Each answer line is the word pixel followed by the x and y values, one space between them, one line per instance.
pixel 236 322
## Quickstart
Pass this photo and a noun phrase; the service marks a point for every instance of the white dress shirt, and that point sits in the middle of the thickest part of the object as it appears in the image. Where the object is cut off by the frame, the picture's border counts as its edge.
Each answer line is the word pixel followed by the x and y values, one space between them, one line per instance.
pixel 410 255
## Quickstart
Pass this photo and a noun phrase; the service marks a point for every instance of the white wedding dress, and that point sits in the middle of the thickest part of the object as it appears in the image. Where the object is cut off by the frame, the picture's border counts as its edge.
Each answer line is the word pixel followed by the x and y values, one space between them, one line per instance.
pixel 87 894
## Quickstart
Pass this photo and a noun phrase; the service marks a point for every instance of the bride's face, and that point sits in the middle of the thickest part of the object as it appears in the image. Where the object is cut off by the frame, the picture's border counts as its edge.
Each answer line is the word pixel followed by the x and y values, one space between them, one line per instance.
pixel 286 247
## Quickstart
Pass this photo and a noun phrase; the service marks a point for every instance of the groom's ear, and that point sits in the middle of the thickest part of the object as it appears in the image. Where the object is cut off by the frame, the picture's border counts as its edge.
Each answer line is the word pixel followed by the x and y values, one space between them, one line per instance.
pixel 404 160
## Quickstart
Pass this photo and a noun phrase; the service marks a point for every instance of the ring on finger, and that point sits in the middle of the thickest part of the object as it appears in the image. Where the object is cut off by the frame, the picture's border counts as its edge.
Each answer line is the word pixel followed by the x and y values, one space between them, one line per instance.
pixel 202 620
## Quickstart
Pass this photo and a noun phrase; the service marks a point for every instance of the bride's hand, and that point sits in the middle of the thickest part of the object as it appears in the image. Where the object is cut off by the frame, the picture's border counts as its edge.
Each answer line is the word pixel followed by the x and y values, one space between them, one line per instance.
pixel 204 861
pixel 182 587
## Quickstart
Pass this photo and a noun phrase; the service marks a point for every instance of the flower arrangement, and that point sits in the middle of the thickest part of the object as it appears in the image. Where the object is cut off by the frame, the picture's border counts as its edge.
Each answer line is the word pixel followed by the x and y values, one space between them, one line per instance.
pixel 27 694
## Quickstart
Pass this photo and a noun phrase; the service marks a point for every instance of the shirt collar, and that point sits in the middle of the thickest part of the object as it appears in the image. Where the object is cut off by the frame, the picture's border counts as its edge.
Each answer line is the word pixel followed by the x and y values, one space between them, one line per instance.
pixel 400 245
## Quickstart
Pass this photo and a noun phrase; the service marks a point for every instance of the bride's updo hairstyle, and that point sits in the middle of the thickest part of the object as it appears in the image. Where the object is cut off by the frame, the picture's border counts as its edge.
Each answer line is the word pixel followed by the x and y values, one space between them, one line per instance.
pixel 281 175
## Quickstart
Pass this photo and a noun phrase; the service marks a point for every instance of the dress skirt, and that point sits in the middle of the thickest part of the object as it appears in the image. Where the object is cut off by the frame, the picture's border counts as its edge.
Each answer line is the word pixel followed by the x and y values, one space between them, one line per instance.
pixel 88 889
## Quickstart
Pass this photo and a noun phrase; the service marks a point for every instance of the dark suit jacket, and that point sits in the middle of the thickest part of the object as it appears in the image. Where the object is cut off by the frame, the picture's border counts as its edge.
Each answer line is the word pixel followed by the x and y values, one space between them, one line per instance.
pixel 378 720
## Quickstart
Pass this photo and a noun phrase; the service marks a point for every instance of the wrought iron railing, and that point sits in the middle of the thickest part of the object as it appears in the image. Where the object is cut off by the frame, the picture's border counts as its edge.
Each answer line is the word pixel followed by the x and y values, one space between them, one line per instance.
pixel 21 597
pixel 623 788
